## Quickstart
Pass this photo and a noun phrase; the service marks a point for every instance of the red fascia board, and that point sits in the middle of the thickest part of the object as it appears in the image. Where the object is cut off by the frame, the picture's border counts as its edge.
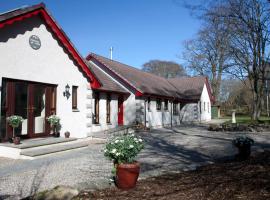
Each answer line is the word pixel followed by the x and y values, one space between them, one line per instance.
pixel 60 35
pixel 112 91
pixel 137 93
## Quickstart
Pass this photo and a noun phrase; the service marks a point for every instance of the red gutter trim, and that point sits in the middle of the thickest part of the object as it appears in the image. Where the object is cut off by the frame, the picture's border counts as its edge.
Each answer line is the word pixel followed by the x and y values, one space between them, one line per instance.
pixel 111 91
pixel 137 93
pixel 60 35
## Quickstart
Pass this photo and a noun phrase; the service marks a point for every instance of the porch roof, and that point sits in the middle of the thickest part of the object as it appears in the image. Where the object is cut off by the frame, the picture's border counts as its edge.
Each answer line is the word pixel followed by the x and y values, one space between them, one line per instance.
pixel 108 85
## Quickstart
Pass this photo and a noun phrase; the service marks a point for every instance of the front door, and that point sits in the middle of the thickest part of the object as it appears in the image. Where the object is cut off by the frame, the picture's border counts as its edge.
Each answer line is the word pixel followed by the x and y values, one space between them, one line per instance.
pixel 33 101
pixel 120 111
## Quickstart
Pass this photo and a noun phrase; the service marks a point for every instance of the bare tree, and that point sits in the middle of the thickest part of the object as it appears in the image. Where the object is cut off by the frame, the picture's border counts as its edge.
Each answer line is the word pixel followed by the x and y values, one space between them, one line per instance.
pixel 208 53
pixel 247 26
pixel 166 69
pixel 248 22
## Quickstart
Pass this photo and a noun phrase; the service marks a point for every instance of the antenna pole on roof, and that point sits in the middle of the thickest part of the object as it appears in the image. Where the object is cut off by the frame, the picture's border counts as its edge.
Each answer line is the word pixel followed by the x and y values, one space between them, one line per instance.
pixel 111 53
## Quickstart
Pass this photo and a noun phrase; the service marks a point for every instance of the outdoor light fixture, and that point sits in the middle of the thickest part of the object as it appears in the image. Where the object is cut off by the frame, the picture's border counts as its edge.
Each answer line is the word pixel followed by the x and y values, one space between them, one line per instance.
pixel 66 93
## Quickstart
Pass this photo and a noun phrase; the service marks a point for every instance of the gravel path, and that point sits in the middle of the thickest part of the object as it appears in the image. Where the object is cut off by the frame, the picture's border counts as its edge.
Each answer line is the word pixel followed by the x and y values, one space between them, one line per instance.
pixel 183 148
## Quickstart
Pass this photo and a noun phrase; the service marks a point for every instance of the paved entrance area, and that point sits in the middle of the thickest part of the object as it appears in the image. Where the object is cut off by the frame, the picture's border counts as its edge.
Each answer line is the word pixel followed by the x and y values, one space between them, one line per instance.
pixel 182 148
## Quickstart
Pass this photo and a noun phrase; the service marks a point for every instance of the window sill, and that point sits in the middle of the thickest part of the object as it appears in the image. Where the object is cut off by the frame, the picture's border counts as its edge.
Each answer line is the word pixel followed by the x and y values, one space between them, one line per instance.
pixel 75 110
pixel 97 124
pixel 109 123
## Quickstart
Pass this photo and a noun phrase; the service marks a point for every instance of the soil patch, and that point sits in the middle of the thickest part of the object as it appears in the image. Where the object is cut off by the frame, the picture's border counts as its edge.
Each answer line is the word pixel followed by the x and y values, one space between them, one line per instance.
pixel 247 180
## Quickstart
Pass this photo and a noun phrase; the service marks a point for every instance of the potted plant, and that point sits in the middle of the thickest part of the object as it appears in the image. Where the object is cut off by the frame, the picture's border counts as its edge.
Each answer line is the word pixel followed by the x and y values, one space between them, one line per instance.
pixel 14 121
pixel 122 150
pixel 243 143
pixel 67 134
pixel 54 123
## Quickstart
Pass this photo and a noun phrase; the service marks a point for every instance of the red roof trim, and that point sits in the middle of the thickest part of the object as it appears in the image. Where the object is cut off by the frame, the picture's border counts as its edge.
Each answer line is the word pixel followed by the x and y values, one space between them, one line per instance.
pixel 137 93
pixel 60 35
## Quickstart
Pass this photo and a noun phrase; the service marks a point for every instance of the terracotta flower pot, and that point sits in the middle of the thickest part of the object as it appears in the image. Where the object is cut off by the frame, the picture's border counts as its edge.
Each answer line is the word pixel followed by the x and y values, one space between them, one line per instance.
pixel 16 140
pixel 244 152
pixel 67 134
pixel 127 175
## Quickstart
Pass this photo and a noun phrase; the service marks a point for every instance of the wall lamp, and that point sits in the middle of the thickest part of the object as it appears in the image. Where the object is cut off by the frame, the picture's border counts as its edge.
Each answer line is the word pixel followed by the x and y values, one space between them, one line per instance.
pixel 66 93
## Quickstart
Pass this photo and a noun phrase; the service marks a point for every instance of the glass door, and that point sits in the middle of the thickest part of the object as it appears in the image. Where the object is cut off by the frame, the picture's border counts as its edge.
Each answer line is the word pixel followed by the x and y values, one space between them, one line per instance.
pixel 39 108
pixel 21 106
pixel 33 101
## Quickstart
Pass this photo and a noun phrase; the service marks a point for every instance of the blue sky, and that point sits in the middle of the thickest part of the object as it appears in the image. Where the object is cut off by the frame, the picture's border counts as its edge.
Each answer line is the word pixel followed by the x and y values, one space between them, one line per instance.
pixel 139 30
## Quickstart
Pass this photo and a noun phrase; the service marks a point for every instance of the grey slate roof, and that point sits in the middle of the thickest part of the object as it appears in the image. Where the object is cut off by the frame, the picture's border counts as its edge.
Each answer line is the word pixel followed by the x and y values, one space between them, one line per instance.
pixel 107 83
pixel 19 11
pixel 190 88
pixel 144 82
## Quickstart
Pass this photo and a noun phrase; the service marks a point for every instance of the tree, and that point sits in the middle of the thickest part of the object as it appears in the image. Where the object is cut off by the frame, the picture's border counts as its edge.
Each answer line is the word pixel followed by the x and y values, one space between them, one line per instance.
pixel 208 53
pixel 236 95
pixel 166 69
pixel 248 23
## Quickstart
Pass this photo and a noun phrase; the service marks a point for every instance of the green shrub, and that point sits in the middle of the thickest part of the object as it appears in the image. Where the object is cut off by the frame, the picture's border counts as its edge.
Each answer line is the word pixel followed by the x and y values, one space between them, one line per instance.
pixel 14 121
pixel 242 141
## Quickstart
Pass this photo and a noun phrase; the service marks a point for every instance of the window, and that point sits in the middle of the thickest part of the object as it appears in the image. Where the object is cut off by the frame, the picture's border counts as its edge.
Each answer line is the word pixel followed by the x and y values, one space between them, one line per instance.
pixel 149 104
pixel 204 106
pixel 96 117
pixel 165 104
pixel 108 109
pixel 74 97
pixel 208 107
pixel 182 105
pixel 175 108
pixel 158 104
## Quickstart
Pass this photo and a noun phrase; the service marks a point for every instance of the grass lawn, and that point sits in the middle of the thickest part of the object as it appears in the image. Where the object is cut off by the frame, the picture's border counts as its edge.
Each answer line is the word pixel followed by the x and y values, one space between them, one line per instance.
pixel 230 180
pixel 244 119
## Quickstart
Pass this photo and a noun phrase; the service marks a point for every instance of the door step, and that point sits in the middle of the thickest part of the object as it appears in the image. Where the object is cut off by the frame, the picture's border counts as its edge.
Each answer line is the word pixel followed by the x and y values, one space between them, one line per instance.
pixel 37 147
pixel 49 149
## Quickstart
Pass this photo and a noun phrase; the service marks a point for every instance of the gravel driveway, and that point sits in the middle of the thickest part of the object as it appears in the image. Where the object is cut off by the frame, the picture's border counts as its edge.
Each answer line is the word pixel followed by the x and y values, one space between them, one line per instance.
pixel 182 148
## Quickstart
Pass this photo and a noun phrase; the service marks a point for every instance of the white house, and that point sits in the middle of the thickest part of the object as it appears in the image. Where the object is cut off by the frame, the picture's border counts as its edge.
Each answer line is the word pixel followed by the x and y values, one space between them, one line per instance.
pixel 155 101
pixel 196 98
pixel 41 74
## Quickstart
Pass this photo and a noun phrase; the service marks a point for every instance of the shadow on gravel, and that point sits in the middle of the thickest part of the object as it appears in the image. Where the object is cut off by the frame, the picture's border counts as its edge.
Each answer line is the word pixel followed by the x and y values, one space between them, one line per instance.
pixel 166 154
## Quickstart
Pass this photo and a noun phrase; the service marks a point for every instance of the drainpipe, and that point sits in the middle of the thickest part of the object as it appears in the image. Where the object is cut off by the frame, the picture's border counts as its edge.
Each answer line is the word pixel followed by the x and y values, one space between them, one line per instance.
pixel 172 112
pixel 145 112
pixel 200 111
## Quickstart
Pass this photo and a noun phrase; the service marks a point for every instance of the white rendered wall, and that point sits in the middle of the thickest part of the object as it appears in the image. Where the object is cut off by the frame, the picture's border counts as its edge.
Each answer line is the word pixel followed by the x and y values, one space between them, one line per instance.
pixel 130 110
pixel 49 64
pixel 160 118
pixel 205 113
pixel 103 125
pixel 191 111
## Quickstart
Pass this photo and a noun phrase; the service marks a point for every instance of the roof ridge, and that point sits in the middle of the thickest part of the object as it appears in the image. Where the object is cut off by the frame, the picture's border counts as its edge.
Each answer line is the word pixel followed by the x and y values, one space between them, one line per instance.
pixel 148 73
pixel 23 7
